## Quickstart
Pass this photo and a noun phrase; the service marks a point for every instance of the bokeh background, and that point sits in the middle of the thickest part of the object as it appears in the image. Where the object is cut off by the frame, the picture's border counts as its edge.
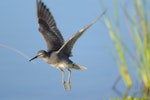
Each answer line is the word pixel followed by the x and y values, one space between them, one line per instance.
pixel 24 80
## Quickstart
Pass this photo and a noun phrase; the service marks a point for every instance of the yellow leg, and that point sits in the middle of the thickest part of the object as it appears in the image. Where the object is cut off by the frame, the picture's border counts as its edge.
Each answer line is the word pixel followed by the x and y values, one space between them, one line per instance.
pixel 63 80
pixel 69 75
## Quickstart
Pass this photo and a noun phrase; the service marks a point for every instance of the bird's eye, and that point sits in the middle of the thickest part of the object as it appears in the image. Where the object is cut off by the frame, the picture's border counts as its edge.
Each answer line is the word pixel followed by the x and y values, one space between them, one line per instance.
pixel 41 54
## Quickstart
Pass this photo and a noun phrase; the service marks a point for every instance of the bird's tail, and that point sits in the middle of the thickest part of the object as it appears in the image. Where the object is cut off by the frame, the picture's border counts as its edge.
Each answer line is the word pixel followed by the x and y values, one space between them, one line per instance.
pixel 77 67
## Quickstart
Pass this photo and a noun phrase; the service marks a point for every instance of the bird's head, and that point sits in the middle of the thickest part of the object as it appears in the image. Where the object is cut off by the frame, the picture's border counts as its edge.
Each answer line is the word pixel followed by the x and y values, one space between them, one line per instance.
pixel 40 54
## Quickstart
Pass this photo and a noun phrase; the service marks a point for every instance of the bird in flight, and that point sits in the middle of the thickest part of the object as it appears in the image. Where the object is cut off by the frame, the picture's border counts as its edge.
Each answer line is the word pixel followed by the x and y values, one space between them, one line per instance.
pixel 58 51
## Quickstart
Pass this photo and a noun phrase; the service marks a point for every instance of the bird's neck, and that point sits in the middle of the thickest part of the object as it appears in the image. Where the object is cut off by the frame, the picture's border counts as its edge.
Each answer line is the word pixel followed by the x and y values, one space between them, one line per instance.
pixel 49 53
pixel 48 56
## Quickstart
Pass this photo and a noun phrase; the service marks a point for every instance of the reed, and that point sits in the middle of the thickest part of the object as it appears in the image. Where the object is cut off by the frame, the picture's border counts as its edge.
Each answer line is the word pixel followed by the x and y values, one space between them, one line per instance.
pixel 137 22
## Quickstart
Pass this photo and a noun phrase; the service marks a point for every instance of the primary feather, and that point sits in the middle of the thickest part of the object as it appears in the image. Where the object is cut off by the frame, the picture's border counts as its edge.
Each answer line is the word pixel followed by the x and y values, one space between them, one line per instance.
pixel 48 28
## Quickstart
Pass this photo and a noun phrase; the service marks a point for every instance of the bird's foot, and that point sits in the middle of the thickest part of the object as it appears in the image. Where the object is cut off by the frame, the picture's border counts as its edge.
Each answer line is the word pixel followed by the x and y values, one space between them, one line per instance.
pixel 64 85
pixel 69 85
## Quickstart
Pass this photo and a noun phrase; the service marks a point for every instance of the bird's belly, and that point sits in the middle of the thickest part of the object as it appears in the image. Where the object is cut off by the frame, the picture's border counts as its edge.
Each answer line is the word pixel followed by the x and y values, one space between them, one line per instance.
pixel 58 63
pixel 60 66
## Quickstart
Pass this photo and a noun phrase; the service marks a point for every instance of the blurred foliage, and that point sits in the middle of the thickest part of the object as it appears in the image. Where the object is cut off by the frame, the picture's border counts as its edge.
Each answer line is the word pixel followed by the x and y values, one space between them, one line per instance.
pixel 130 98
pixel 137 21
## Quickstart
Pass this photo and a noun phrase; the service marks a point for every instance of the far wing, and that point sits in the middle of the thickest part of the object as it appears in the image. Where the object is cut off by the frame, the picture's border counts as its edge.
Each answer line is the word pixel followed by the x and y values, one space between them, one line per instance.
pixel 67 47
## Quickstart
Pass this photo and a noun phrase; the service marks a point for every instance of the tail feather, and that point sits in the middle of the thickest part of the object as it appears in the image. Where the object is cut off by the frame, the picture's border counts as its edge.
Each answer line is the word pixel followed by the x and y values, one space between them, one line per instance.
pixel 77 67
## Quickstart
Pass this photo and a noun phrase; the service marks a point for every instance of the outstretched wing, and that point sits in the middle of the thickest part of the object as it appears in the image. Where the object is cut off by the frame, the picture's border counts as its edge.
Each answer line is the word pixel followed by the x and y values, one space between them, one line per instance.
pixel 67 47
pixel 48 28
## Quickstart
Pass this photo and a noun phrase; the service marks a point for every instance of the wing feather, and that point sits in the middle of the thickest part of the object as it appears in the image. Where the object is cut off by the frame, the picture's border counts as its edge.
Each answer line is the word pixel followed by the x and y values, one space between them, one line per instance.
pixel 67 47
pixel 48 28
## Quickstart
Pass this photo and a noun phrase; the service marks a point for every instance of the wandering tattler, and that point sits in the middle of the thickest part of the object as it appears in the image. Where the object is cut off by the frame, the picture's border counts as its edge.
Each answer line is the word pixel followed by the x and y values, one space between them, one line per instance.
pixel 58 51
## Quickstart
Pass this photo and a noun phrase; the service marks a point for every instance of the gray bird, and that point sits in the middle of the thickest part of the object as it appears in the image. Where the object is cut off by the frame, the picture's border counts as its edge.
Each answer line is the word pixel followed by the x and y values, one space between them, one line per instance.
pixel 58 51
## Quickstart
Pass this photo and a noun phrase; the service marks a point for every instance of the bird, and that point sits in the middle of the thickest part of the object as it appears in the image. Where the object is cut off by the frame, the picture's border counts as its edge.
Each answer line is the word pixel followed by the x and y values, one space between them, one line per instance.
pixel 58 51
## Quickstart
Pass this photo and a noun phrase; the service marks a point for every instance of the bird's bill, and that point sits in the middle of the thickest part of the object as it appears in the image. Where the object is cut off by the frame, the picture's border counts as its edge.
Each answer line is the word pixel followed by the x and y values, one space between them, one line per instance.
pixel 33 58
